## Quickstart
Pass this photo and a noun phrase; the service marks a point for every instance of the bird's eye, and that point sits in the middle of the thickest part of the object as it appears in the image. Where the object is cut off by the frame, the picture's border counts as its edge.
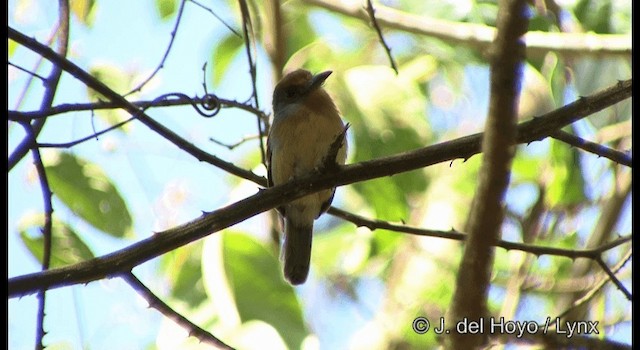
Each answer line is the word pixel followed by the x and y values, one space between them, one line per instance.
pixel 291 92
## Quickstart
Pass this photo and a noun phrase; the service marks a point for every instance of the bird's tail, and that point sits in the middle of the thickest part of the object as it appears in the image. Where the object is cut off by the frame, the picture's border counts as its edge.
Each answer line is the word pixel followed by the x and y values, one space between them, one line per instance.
pixel 297 251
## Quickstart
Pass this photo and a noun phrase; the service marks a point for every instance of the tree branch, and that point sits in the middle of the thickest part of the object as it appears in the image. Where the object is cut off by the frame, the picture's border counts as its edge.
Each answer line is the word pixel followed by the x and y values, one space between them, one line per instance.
pixel 614 279
pixel 374 22
pixel 592 147
pixel 50 84
pixel 135 111
pixel 588 296
pixel 166 52
pixel 487 212
pixel 371 224
pixel 247 27
pixel 175 100
pixel 480 37
pixel 163 242
pixel 156 303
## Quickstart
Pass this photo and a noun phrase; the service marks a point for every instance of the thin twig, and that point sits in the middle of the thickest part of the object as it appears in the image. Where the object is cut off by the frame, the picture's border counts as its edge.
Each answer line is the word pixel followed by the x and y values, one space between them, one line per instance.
pixel 166 52
pixel 36 67
pixel 50 84
pixel 232 146
pixel 573 254
pixel 175 100
pixel 86 138
pixel 593 292
pixel 151 123
pixel 613 278
pixel 210 104
pixel 32 74
pixel 371 11
pixel 193 329
pixel 249 43
pixel 592 147
pixel 234 31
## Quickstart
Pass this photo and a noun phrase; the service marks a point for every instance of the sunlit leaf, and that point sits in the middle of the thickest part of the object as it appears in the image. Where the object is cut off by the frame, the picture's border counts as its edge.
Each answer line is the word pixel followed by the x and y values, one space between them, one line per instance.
pixel 12 46
pixel 183 268
pixel 85 189
pixel 117 80
pixel 390 119
pixel 535 96
pixel 66 246
pixel 259 289
pixel 223 55
pixel 299 31
pixel 385 197
pixel 166 8
pixel 566 187
pixel 594 15
pixel 339 251
pixel 597 74
pixel 83 10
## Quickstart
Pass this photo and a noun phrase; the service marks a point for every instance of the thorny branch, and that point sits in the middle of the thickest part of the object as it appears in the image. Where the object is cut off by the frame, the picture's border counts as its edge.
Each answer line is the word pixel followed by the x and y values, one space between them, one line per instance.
pixel 536 250
pixel 156 303
pixel 163 242
pixel 588 296
pixel 592 147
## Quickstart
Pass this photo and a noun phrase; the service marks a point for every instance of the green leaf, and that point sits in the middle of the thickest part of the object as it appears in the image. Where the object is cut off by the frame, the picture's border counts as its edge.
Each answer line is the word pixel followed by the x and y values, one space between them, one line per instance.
pixel 566 187
pixel 259 288
pixel 87 191
pixel 387 117
pixel 183 267
pixel 594 15
pixel 12 46
pixel 385 197
pixel 223 55
pixel 340 251
pixel 83 10
pixel 166 8
pixel 298 29
pixel 117 80
pixel 67 247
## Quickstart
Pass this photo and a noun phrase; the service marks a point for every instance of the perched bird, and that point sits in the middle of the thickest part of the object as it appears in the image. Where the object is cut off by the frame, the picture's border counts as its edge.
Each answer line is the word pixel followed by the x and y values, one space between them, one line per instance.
pixel 305 125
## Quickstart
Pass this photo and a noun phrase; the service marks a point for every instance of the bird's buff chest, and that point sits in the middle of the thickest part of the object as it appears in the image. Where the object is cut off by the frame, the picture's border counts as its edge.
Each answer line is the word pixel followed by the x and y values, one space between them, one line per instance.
pixel 299 142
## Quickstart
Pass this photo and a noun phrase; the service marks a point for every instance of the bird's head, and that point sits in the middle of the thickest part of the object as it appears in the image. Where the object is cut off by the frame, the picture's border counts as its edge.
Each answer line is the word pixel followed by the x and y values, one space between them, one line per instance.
pixel 300 86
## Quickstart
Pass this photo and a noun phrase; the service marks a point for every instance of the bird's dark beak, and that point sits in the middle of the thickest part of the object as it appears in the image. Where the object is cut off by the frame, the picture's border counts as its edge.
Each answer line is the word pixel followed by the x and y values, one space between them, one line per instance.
pixel 317 80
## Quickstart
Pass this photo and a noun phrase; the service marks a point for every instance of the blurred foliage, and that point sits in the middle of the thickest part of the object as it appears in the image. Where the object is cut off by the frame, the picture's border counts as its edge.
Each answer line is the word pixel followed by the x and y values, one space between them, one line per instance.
pixel 84 11
pixel 166 8
pixel 119 81
pixel 87 191
pixel 66 246
pixel 434 98
pixel 260 293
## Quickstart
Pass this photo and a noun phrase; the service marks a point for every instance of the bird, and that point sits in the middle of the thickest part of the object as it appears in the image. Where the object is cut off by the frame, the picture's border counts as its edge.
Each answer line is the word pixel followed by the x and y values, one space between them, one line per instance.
pixel 305 125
